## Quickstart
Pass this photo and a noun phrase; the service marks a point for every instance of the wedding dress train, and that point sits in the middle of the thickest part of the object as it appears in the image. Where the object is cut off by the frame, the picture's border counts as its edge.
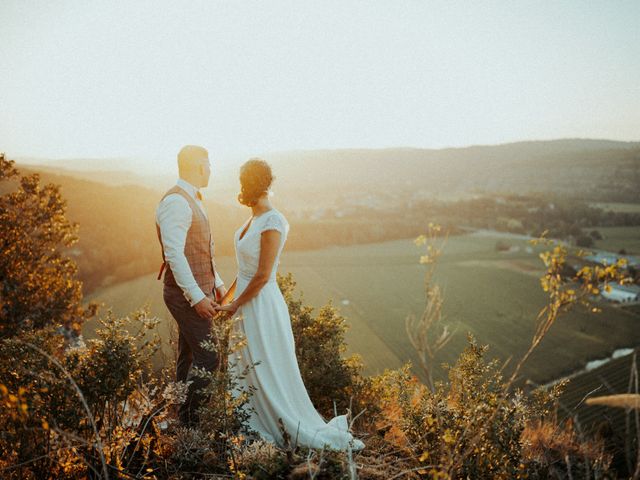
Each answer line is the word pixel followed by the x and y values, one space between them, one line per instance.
pixel 264 321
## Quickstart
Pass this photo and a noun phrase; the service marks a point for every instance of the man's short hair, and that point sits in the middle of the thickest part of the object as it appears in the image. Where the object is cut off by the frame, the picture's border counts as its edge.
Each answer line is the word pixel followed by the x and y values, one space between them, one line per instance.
pixel 189 156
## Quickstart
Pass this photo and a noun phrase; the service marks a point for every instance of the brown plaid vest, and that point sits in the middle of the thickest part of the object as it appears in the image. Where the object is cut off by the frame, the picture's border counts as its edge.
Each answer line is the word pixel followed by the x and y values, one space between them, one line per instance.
pixel 197 247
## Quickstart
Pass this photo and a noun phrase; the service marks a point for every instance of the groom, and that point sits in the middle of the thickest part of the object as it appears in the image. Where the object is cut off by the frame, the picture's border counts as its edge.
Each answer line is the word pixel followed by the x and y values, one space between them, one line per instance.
pixel 192 287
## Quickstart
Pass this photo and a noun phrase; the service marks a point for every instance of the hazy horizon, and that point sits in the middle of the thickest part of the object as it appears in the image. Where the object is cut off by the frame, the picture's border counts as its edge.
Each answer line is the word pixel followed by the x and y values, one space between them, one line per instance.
pixel 228 164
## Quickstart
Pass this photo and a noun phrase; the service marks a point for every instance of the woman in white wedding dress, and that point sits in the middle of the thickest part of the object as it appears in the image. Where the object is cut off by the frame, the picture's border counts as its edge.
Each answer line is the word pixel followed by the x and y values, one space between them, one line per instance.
pixel 264 321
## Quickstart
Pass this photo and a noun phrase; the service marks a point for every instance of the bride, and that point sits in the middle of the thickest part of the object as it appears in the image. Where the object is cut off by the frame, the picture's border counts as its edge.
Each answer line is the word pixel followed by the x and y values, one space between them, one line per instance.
pixel 264 322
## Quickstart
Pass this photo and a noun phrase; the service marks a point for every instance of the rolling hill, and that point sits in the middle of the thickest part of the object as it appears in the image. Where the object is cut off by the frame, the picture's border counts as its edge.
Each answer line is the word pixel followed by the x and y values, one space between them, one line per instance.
pixel 606 168
pixel 609 170
pixel 115 209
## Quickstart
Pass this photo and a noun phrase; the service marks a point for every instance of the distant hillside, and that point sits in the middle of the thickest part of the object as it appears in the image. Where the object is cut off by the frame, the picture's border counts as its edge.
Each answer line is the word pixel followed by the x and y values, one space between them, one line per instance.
pixel 568 166
pixel 346 197
pixel 120 177
pixel 117 227
pixel 609 170
pixel 158 174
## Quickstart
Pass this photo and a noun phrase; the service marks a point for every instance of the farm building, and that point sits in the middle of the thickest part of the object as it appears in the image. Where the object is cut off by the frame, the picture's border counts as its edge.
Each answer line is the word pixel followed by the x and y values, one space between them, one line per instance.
pixel 609 258
pixel 621 293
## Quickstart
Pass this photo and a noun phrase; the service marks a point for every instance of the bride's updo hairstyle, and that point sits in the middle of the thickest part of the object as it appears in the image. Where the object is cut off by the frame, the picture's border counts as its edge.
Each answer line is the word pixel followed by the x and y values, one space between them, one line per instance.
pixel 255 180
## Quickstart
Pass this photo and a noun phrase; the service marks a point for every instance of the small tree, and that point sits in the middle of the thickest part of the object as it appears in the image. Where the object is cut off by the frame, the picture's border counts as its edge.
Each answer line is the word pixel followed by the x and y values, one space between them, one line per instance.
pixel 585 241
pixel 427 332
pixel 39 285
pixel 595 234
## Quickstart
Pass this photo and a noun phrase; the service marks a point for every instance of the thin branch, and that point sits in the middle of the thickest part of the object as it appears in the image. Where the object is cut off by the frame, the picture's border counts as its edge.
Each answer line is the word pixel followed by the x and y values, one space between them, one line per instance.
pixel 82 399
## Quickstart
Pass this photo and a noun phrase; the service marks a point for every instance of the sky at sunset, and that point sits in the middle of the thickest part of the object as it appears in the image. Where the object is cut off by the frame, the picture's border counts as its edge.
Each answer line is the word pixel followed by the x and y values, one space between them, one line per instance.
pixel 140 79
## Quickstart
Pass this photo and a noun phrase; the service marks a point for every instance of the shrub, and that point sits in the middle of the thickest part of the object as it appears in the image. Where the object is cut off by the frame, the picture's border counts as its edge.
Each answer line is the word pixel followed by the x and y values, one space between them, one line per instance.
pixel 472 427
pixel 595 234
pixel 38 286
pixel 583 240
pixel 86 407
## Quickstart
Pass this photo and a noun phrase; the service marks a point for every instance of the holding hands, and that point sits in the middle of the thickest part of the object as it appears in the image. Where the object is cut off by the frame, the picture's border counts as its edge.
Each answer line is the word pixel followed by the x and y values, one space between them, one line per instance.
pixel 231 308
pixel 206 307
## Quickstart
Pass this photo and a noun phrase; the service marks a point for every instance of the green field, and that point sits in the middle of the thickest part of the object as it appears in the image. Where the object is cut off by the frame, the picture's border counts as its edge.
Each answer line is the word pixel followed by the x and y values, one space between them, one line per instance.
pixel 615 238
pixel 494 295
pixel 617 207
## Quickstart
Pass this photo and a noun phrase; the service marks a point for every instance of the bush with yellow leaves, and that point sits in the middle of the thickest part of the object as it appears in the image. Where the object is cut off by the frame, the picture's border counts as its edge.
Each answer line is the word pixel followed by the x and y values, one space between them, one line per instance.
pixel 472 427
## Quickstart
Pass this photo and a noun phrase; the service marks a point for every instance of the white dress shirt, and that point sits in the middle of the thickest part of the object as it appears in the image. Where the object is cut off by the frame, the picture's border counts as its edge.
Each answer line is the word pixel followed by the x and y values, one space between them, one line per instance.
pixel 173 215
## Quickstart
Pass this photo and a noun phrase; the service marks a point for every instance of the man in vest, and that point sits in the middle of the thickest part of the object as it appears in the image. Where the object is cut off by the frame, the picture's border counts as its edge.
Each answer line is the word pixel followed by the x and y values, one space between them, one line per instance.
pixel 192 286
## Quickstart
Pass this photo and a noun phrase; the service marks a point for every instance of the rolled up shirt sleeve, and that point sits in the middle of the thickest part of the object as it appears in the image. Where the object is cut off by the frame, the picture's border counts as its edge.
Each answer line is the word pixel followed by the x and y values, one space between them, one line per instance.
pixel 174 218
pixel 218 281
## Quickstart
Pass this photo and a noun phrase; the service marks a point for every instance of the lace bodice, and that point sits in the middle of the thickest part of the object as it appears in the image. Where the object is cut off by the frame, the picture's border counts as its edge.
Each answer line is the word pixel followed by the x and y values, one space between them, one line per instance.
pixel 248 248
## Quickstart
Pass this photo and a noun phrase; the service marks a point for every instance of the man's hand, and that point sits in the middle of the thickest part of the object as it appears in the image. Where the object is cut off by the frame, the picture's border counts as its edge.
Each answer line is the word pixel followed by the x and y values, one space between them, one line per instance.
pixel 206 308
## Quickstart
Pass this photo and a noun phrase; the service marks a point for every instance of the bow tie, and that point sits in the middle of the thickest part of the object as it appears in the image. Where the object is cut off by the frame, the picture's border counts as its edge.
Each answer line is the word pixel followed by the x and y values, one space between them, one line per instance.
pixel 198 195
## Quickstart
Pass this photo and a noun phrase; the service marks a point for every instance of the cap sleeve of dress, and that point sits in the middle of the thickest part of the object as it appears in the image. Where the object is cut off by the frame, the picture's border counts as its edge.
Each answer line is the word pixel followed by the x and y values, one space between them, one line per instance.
pixel 275 222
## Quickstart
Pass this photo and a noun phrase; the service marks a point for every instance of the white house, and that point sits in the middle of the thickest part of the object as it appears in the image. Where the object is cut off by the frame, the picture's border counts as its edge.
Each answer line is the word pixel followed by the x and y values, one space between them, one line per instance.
pixel 622 293
pixel 609 258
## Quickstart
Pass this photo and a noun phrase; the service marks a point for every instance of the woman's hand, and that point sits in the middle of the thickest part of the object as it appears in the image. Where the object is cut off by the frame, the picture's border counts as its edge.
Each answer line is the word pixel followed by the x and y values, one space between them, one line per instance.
pixel 231 308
